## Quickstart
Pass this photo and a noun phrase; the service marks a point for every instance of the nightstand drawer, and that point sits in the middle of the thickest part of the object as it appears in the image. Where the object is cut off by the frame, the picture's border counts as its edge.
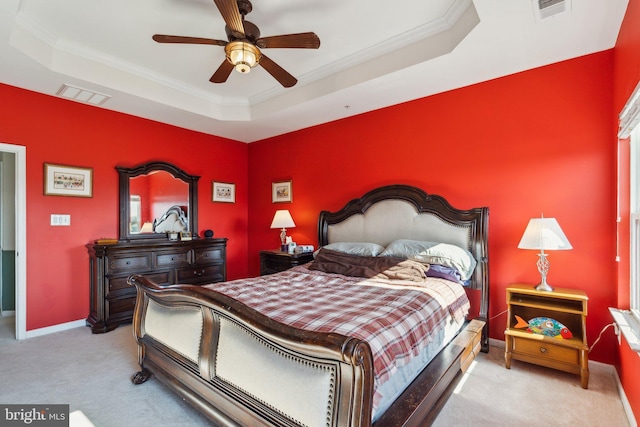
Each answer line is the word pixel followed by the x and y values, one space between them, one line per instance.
pixel 545 350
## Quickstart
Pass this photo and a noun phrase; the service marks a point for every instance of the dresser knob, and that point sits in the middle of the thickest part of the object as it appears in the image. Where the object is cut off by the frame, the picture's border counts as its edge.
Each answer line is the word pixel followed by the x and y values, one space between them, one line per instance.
pixel 543 350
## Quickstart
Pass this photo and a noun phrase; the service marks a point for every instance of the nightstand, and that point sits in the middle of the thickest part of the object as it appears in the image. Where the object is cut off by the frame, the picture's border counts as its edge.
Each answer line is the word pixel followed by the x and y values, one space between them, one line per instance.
pixel 275 260
pixel 567 306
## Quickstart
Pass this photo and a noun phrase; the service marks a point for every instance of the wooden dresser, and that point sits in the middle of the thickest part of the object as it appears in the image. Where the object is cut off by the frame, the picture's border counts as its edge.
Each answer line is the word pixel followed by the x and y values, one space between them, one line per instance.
pixel 198 261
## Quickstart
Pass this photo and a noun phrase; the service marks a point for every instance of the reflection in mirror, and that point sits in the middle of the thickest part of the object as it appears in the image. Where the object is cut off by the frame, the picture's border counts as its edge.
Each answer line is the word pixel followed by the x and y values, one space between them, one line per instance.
pixel 157 198
pixel 135 210
pixel 151 197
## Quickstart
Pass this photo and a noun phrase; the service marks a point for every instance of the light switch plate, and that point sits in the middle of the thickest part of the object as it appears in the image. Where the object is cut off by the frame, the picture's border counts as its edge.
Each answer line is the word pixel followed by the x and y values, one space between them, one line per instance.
pixel 60 220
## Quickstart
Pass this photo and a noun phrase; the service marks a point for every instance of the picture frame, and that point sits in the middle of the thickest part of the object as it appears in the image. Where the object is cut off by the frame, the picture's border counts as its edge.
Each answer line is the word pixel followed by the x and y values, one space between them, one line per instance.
pixel 224 192
pixel 281 192
pixel 62 180
pixel 186 235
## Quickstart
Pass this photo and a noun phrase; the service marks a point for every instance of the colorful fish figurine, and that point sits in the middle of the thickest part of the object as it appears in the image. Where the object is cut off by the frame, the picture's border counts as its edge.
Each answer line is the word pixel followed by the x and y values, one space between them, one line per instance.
pixel 544 326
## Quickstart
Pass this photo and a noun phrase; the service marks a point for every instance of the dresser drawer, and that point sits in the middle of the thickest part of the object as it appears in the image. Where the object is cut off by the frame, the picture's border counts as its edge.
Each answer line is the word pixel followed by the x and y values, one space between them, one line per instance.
pixel 546 351
pixel 128 263
pixel 116 284
pixel 121 308
pixel 171 259
pixel 208 255
pixel 201 274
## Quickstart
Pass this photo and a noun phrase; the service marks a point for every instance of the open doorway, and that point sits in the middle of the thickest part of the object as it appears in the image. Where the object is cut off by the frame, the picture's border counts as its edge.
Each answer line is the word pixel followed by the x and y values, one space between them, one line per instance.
pixel 13 236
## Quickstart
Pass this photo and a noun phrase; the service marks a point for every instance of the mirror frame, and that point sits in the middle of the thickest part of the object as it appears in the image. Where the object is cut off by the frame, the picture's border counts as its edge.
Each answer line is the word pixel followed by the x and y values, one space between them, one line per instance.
pixel 124 174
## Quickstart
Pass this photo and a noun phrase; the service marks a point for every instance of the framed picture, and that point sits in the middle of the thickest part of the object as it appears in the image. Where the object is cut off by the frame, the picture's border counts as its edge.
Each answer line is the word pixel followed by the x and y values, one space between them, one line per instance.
pixel 281 192
pixel 186 235
pixel 224 192
pixel 62 180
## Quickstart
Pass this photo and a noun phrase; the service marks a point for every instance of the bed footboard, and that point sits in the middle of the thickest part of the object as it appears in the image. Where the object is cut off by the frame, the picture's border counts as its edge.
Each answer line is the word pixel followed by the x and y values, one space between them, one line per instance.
pixel 239 367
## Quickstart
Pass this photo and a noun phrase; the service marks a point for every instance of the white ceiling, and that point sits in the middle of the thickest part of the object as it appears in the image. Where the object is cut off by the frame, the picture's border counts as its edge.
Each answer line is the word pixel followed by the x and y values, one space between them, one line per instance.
pixel 373 53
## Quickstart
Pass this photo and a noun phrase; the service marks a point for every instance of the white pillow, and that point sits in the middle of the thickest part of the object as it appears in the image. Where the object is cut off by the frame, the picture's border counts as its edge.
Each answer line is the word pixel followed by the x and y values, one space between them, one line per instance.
pixel 355 248
pixel 433 253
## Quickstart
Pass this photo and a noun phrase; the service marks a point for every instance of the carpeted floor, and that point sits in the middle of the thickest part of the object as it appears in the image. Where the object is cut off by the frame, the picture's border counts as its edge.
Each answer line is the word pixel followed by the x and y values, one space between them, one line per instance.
pixel 91 373
pixel 530 395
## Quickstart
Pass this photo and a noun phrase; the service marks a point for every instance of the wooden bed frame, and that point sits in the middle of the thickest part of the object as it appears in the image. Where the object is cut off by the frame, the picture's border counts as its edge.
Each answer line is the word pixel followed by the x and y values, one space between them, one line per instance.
pixel 186 333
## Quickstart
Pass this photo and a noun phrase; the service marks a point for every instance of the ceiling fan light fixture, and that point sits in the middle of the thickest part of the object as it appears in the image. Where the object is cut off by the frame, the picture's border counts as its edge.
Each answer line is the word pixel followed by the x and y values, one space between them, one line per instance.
pixel 244 56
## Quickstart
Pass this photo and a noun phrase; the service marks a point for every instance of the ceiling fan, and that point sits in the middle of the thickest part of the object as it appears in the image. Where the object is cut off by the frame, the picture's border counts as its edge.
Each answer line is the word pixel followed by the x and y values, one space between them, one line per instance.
pixel 243 50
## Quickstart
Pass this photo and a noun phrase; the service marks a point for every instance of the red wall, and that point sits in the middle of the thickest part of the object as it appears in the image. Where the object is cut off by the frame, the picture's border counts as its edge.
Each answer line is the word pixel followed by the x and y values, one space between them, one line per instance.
pixel 535 142
pixel 627 75
pixel 541 141
pixel 65 132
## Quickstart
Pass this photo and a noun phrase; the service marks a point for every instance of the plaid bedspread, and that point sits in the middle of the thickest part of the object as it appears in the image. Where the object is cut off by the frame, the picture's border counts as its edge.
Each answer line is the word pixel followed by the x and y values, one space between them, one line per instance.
pixel 397 318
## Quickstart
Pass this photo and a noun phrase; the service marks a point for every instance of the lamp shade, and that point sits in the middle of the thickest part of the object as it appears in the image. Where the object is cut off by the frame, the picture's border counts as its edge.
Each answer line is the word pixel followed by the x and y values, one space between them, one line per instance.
pixel 282 219
pixel 544 234
pixel 147 227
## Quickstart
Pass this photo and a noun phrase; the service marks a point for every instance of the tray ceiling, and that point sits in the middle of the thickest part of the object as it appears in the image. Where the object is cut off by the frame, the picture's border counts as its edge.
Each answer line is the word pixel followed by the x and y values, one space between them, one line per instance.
pixel 373 54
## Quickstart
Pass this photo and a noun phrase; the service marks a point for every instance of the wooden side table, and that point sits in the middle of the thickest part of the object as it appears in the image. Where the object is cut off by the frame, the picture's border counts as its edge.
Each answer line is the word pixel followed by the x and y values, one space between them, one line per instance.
pixel 567 306
pixel 273 261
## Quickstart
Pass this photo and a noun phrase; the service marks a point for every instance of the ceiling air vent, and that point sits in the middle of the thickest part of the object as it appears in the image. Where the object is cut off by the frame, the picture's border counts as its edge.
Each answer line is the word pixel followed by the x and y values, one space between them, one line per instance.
pixel 545 8
pixel 82 95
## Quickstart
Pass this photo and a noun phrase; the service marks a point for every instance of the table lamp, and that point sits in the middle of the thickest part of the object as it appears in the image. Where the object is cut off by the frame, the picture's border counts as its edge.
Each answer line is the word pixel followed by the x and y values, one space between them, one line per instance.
pixel 147 227
pixel 544 234
pixel 282 219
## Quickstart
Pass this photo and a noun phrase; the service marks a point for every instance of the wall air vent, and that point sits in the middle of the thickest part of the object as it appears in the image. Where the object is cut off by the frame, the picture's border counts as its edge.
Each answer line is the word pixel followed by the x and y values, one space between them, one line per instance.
pixel 82 95
pixel 545 8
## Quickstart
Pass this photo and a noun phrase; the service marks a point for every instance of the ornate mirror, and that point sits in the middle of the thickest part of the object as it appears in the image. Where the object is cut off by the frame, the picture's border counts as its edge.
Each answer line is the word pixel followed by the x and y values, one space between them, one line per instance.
pixel 157 198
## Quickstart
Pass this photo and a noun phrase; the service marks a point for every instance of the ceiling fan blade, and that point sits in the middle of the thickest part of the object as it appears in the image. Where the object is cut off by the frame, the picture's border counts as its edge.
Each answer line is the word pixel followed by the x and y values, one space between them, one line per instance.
pixel 163 38
pixel 300 40
pixel 231 15
pixel 222 73
pixel 278 73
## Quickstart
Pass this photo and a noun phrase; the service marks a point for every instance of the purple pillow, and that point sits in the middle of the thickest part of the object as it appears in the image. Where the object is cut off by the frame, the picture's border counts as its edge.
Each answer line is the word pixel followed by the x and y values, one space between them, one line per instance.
pixel 444 272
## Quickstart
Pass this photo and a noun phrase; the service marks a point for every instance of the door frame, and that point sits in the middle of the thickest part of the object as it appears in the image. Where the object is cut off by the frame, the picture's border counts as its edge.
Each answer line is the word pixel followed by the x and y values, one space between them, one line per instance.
pixel 21 236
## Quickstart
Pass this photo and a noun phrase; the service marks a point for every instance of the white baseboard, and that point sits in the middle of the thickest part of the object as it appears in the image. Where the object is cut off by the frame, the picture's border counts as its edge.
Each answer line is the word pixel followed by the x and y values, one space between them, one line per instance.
pixel 55 328
pixel 8 313
pixel 625 401
pixel 623 397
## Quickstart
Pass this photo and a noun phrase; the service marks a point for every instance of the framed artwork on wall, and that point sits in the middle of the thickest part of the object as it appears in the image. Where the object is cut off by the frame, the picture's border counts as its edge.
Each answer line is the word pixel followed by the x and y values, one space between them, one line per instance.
pixel 224 192
pixel 60 180
pixel 281 192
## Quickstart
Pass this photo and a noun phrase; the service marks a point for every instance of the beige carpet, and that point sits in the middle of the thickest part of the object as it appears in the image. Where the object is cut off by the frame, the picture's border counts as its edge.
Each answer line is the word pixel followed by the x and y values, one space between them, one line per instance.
pixel 529 395
pixel 91 374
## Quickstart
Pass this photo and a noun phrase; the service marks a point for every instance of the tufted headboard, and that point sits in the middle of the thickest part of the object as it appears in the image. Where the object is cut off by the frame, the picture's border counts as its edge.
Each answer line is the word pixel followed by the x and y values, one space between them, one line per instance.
pixel 405 212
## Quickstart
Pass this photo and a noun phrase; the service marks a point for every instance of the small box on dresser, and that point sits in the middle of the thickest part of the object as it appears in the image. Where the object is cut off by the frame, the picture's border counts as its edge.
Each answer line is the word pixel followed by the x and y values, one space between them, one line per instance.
pixel 112 300
pixel 274 261
pixel 567 306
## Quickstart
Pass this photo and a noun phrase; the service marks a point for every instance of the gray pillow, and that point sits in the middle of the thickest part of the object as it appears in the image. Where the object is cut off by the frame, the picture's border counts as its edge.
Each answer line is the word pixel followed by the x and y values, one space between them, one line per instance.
pixel 433 253
pixel 355 248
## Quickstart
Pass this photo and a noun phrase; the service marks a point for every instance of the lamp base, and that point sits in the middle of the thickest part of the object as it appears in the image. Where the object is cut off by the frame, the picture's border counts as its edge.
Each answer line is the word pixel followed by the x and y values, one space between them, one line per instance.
pixel 544 287
pixel 543 268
